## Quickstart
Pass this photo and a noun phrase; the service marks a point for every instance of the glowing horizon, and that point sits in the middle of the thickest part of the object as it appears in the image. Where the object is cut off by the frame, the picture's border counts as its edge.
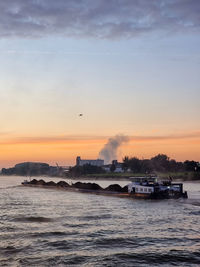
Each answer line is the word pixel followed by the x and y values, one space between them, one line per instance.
pixel 64 150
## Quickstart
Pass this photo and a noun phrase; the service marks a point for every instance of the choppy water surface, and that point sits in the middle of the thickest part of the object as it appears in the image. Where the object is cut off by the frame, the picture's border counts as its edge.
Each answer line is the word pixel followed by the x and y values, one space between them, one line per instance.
pixel 46 227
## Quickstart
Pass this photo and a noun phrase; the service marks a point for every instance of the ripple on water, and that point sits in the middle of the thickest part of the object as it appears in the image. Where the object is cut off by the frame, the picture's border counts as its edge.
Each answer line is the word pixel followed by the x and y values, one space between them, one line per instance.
pixel 172 258
pixel 53 234
pixel 33 219
pixel 71 259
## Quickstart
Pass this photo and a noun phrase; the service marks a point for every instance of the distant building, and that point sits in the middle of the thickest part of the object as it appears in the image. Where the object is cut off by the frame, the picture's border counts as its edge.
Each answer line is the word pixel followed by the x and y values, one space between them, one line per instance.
pixel 58 170
pixel 94 162
pixel 107 167
pixel 118 167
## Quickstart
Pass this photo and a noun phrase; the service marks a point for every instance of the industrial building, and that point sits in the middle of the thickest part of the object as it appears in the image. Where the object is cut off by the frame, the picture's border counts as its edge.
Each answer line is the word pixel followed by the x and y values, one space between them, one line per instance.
pixel 94 162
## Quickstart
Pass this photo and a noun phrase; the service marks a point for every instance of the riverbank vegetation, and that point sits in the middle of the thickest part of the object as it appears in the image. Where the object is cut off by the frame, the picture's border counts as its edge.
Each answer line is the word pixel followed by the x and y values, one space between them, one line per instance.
pixel 182 176
pixel 160 165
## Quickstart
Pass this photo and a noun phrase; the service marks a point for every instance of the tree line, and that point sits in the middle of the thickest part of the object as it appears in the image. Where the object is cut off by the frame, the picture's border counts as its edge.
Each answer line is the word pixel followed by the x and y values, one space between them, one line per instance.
pixel 160 163
pixel 85 169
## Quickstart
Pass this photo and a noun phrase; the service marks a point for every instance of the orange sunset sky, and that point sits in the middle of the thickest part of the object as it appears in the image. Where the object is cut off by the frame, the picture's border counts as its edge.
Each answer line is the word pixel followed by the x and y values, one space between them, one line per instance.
pixel 64 150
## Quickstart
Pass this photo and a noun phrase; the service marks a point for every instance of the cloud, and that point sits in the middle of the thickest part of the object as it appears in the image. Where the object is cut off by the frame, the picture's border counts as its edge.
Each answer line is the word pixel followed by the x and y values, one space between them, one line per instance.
pixel 52 140
pixel 150 138
pixel 4 133
pixel 106 19
pixel 76 139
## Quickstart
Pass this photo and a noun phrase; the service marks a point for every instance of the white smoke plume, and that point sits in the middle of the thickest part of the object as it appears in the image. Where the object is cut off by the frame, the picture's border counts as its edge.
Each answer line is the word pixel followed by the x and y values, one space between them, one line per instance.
pixel 109 151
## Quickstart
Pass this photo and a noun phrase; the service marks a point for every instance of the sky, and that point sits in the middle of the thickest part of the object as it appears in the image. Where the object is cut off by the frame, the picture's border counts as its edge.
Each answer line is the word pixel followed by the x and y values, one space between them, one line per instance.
pixel 131 67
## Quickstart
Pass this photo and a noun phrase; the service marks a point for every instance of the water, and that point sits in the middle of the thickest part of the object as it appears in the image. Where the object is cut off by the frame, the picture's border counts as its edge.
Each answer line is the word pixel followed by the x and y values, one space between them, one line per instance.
pixel 46 227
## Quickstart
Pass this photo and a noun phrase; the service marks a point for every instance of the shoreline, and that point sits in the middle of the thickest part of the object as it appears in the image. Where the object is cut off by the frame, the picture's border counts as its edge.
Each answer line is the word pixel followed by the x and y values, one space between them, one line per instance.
pixel 184 177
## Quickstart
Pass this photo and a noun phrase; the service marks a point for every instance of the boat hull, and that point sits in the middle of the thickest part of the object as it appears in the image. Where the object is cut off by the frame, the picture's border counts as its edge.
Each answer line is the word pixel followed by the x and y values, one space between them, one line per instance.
pixel 160 195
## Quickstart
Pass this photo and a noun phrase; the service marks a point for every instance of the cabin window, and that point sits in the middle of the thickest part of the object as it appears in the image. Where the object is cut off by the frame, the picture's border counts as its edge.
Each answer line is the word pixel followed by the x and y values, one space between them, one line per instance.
pixel 145 190
pixel 149 190
pixel 136 190
pixel 141 189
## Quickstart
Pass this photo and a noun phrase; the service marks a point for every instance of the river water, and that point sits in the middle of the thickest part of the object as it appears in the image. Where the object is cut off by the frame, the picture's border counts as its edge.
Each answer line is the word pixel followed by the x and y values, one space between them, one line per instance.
pixel 46 227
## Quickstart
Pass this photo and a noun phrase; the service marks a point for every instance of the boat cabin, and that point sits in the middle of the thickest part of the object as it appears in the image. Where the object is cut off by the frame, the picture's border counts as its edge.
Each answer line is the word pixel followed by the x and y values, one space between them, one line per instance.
pixel 150 187
pixel 142 185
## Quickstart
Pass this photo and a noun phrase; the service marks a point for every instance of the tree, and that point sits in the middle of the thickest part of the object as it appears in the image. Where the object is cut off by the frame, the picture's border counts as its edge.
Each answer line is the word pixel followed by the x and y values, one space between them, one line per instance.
pixel 135 164
pixel 146 166
pixel 191 165
pixel 85 169
pixel 160 162
pixel 125 164
pixel 112 167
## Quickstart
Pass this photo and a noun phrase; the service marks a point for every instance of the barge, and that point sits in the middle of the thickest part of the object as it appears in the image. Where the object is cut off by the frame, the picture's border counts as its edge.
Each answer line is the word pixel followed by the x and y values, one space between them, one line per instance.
pixel 144 188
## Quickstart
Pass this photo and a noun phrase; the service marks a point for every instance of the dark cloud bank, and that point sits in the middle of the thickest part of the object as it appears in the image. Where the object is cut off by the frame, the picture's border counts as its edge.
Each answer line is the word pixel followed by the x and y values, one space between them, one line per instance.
pixel 107 19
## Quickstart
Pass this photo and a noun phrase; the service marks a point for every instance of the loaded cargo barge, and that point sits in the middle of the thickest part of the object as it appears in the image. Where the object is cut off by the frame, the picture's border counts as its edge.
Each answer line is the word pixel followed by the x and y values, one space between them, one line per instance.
pixel 144 188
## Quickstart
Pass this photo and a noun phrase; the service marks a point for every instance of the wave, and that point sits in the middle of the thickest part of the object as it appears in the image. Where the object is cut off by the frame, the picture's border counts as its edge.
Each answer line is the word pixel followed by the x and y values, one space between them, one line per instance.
pixel 33 219
pixel 9 187
pixel 172 257
pixel 194 202
pixel 176 258
pixel 53 234
pixel 68 260
pixel 94 217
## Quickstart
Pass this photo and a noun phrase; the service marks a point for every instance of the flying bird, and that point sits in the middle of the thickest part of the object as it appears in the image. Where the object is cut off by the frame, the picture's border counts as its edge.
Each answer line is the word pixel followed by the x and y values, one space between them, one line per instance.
pixel 80 115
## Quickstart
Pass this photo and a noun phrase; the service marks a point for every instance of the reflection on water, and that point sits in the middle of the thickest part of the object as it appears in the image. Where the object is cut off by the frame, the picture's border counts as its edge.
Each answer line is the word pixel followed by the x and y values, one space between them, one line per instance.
pixel 40 227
